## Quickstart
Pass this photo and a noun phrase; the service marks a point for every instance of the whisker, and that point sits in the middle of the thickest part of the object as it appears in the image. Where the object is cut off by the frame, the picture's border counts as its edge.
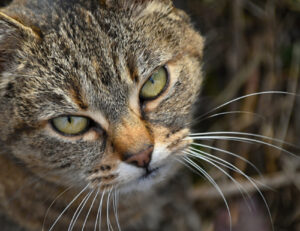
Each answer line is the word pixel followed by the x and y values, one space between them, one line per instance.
pixel 246 176
pixel 245 134
pixel 80 208
pixel 226 164
pixel 53 202
pixel 230 153
pixel 117 201
pixel 186 165
pixel 76 211
pixel 241 139
pixel 86 218
pixel 214 163
pixel 63 212
pixel 246 96
pixel 109 227
pixel 212 181
pixel 99 212
pixel 199 153
pixel 230 113
pixel 115 205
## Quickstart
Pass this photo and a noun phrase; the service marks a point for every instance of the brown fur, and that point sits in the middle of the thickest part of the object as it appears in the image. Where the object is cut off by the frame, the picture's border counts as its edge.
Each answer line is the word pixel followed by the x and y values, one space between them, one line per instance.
pixel 88 58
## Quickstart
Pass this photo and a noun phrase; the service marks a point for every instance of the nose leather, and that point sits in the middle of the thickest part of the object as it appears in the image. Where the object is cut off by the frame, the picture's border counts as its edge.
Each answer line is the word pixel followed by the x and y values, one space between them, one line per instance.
pixel 141 159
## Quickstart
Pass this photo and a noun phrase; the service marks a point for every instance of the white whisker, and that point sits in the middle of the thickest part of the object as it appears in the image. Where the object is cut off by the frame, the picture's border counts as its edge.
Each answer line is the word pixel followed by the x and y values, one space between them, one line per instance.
pixel 234 168
pixel 212 181
pixel 230 153
pixel 199 153
pixel 246 96
pixel 48 210
pixel 230 113
pixel 76 211
pixel 74 199
pixel 81 206
pixel 117 201
pixel 186 165
pixel 87 216
pixel 115 205
pixel 109 226
pixel 225 164
pixel 99 212
pixel 228 165
pixel 241 139
pixel 244 134
pixel 214 163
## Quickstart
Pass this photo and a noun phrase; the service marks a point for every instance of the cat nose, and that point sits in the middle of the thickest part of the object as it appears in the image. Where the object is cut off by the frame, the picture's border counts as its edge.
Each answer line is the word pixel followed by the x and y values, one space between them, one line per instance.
pixel 141 159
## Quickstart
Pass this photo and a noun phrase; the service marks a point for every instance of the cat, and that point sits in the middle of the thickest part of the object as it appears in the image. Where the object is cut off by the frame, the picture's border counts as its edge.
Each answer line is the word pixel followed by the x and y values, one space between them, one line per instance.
pixel 96 102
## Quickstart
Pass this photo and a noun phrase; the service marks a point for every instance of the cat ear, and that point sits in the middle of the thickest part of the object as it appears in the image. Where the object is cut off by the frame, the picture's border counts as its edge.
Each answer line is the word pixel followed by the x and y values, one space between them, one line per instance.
pixel 13 27
pixel 12 34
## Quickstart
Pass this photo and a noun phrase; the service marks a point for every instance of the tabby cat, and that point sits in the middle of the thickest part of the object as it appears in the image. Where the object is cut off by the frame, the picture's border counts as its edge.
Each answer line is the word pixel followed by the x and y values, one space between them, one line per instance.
pixel 95 108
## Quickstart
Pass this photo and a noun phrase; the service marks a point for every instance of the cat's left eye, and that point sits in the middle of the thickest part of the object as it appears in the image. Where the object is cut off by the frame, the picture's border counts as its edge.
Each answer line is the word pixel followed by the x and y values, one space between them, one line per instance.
pixel 71 125
pixel 155 85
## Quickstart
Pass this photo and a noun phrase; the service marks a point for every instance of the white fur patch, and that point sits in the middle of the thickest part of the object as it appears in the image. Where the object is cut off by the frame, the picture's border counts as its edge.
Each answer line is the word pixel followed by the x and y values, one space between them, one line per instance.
pixel 160 153
pixel 146 184
pixel 128 172
pixel 132 178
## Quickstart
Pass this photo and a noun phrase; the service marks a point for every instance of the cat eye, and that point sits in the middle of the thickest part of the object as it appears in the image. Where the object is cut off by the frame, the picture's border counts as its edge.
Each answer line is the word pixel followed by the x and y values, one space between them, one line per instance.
pixel 155 85
pixel 71 125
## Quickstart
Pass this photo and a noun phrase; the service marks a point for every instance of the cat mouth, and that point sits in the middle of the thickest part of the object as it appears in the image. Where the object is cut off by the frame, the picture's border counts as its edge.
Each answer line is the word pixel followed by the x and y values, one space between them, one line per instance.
pixel 150 173
pixel 146 179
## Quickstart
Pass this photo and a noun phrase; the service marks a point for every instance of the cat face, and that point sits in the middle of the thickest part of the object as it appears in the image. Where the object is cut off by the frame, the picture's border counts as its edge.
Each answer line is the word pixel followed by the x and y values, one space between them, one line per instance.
pixel 100 96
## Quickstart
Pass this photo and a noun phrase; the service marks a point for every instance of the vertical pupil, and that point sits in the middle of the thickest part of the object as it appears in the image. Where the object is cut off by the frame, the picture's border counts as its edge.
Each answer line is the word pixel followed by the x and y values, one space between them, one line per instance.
pixel 69 119
pixel 152 80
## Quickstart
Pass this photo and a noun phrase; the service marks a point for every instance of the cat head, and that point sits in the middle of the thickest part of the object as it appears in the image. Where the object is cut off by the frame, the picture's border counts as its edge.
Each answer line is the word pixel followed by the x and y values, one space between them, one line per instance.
pixel 99 92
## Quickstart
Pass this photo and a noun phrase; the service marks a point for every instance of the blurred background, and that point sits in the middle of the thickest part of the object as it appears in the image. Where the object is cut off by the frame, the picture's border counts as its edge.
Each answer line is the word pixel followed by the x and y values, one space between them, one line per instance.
pixel 251 46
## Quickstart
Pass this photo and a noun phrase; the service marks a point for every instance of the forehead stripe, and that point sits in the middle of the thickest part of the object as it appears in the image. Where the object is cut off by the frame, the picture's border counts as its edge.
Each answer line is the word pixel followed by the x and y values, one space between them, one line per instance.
pixel 77 97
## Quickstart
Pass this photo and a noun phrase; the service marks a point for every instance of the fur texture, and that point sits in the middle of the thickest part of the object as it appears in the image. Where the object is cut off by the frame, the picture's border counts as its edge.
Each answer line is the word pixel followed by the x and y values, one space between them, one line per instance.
pixel 91 58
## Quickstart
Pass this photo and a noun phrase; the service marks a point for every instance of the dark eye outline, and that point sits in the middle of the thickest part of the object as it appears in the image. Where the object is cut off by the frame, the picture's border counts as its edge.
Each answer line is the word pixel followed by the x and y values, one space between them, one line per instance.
pixel 90 124
pixel 143 99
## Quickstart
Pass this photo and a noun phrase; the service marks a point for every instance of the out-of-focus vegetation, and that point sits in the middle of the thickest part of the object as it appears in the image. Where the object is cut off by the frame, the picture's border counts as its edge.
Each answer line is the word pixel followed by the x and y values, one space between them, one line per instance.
pixel 4 2
pixel 251 46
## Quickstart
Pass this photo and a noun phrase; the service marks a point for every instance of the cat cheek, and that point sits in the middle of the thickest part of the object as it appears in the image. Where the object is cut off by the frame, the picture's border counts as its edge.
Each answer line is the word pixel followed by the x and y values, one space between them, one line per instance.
pixel 169 143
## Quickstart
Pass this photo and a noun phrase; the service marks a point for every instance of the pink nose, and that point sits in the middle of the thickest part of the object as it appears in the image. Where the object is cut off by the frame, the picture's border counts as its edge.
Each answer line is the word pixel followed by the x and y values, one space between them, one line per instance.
pixel 141 159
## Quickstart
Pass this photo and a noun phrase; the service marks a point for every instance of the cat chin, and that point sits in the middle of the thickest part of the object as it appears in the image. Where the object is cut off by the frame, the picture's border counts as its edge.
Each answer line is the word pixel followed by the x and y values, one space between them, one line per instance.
pixel 147 182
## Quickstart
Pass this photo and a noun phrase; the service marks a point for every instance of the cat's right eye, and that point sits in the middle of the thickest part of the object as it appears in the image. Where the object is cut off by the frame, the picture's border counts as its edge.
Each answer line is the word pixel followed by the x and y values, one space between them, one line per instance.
pixel 155 85
pixel 71 125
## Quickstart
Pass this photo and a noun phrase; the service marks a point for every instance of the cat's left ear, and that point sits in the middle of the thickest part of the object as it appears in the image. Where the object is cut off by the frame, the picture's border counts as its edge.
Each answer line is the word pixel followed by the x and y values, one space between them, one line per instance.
pixel 13 33
pixel 14 27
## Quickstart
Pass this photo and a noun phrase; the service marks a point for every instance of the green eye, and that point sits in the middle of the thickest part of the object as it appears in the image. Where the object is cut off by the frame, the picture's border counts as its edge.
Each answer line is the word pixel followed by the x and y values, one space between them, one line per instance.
pixel 71 125
pixel 155 85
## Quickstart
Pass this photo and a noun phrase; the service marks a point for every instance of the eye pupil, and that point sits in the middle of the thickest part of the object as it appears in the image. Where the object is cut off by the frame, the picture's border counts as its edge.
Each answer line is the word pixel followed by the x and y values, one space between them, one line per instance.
pixel 152 80
pixel 69 119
